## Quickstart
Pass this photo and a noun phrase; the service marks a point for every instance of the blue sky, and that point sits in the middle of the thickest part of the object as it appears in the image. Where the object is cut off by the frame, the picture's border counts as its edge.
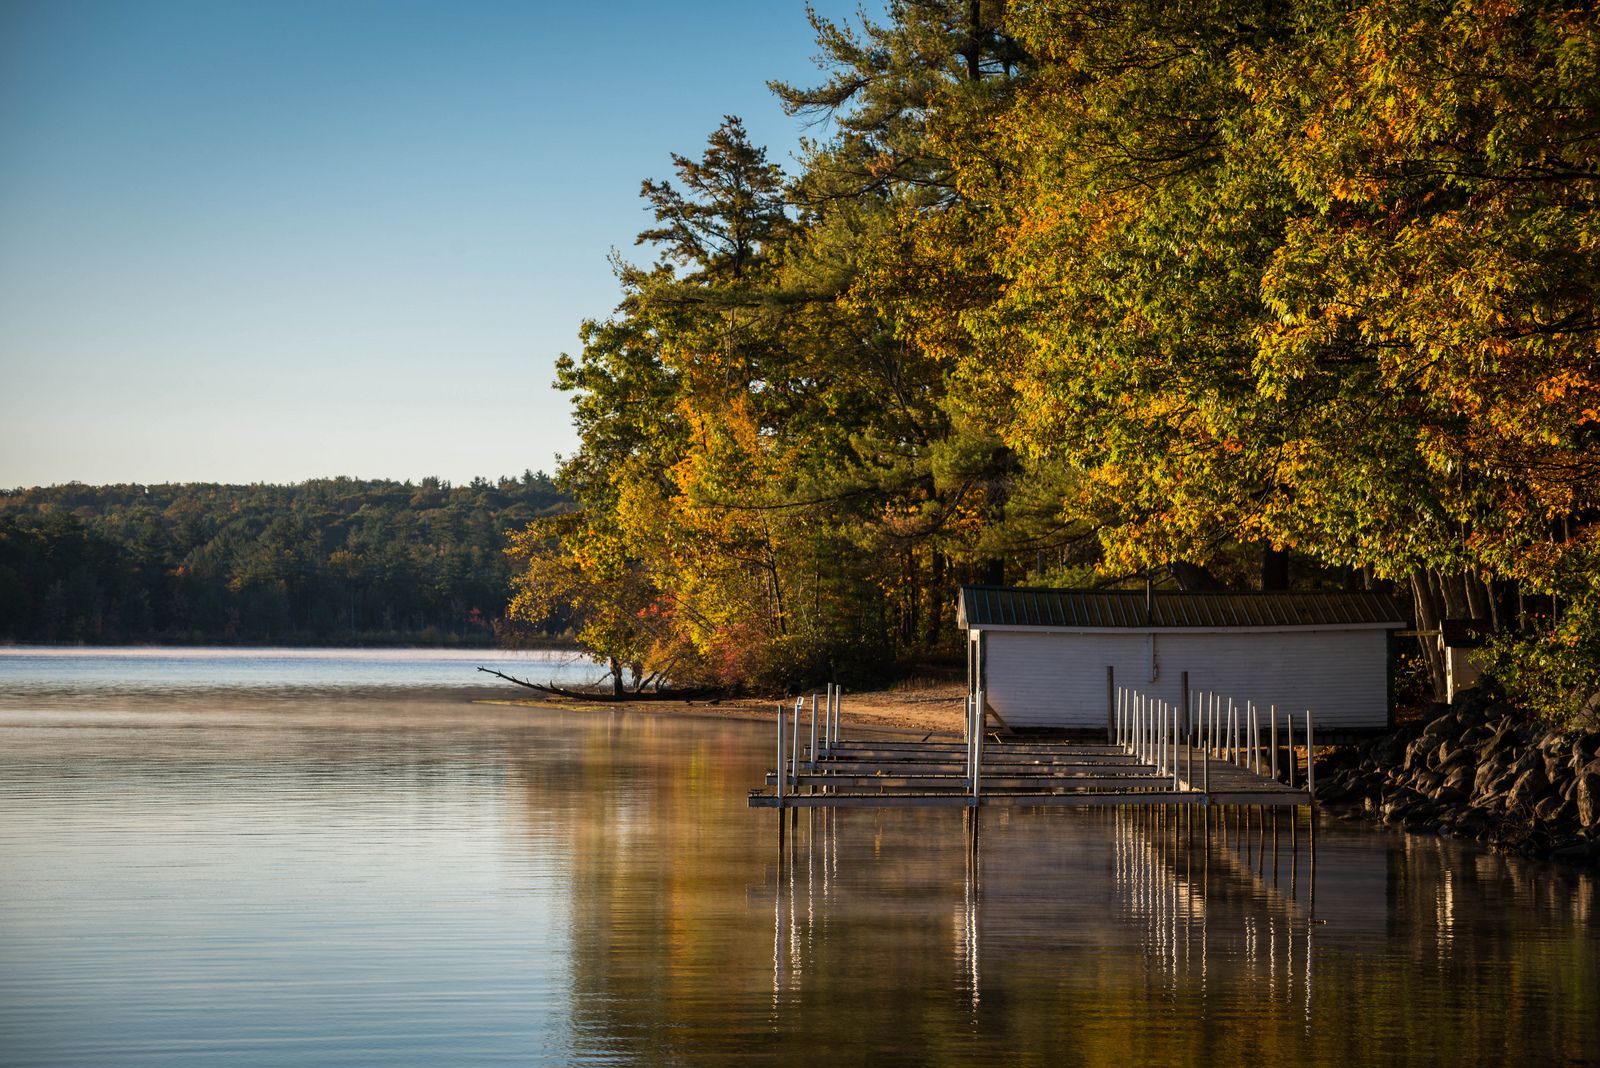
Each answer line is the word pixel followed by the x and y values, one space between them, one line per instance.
pixel 280 240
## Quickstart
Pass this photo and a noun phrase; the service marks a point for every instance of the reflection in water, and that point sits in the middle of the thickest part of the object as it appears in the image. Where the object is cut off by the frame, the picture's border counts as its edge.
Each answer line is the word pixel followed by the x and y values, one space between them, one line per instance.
pixel 301 881
pixel 1168 865
pixel 1141 936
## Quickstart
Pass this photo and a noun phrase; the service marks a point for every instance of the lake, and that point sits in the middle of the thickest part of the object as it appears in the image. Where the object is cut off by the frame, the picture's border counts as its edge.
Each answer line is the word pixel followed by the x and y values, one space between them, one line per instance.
pixel 341 858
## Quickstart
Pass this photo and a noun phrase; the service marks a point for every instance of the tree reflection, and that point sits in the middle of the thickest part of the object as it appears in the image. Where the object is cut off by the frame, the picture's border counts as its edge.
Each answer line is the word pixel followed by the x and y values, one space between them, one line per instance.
pixel 699 932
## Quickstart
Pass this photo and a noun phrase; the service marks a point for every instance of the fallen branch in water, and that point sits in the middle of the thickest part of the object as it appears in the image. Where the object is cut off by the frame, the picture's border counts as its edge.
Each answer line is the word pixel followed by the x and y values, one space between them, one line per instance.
pixel 600 695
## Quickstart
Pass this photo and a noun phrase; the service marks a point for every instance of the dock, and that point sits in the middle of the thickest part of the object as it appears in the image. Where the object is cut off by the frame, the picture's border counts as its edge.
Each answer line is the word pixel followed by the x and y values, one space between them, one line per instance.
pixel 1213 753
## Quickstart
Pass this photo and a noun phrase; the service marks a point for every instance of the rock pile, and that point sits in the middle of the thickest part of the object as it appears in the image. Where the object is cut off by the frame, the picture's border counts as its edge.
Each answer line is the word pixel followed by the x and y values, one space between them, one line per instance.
pixel 1476 769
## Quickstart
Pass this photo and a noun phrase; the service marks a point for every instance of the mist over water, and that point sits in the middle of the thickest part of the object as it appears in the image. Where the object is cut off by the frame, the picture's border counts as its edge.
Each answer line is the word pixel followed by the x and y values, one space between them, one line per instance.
pixel 321 872
pixel 79 673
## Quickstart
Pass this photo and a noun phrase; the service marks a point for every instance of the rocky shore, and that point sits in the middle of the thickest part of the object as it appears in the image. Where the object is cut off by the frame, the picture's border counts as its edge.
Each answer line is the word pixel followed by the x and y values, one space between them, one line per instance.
pixel 1478 769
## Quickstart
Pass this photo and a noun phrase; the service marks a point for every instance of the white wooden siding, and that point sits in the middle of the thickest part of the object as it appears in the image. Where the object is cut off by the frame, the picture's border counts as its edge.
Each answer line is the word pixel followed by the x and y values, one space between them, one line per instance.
pixel 1059 679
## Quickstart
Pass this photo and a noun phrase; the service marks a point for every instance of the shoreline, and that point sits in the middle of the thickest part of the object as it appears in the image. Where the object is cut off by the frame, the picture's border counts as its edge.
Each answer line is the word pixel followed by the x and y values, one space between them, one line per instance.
pixel 1460 772
pixel 924 710
pixel 1478 770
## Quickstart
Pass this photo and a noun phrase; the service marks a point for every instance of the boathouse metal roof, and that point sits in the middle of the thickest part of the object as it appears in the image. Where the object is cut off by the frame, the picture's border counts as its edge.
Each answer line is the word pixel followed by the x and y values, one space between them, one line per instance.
pixel 1013 606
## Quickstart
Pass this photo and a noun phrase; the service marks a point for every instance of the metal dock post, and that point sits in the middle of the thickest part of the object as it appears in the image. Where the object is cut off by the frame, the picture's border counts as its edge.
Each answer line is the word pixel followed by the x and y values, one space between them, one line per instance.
pixel 780 756
pixel 1272 717
pixel 1311 761
pixel 813 732
pixel 794 755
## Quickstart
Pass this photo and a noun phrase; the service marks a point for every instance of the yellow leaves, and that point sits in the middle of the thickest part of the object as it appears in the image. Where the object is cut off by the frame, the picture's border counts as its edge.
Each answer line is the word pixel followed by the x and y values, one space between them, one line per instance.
pixel 1358 189
pixel 1564 382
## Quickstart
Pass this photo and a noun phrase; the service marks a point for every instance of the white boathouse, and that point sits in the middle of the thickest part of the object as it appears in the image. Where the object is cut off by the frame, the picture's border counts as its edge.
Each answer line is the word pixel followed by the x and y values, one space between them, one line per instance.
pixel 1054 658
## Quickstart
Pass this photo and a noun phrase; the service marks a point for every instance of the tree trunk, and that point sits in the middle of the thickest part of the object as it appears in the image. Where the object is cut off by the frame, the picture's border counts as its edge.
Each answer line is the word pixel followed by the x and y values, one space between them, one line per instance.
pixel 1274 567
pixel 974 50
pixel 616 676
pixel 1453 591
pixel 1193 576
pixel 1478 600
pixel 1429 613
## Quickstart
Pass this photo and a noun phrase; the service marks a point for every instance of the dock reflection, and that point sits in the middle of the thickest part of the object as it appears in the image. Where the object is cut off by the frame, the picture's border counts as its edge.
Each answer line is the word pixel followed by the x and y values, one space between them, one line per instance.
pixel 1235 882
pixel 1188 884
pixel 695 933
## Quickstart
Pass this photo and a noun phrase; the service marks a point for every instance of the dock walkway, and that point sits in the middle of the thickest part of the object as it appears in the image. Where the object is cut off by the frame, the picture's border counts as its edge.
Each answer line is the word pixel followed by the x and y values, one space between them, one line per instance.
pixel 874 774
pixel 1146 768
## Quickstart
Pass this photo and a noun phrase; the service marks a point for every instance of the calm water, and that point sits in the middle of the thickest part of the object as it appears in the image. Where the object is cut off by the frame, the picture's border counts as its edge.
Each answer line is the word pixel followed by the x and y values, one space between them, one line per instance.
pixel 336 873
pixel 36 672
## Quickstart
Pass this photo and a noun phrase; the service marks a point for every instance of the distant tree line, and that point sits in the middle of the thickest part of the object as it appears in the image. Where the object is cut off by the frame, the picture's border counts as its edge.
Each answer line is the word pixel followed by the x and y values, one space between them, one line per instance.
pixel 331 560
pixel 1069 293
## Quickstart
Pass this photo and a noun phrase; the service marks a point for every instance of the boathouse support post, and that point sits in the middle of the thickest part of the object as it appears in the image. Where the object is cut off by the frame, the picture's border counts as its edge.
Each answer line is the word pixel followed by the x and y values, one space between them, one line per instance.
pixel 1111 702
pixel 972 734
pixel 978 744
pixel 972 738
pixel 1184 690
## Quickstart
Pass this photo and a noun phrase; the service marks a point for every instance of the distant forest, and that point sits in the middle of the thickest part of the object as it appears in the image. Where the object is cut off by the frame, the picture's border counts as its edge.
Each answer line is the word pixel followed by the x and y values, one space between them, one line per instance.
pixel 333 560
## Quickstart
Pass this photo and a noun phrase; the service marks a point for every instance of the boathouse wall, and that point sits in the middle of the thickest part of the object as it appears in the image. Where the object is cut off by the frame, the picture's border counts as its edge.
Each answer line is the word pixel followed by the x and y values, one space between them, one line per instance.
pixel 1058 679
pixel 1042 656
